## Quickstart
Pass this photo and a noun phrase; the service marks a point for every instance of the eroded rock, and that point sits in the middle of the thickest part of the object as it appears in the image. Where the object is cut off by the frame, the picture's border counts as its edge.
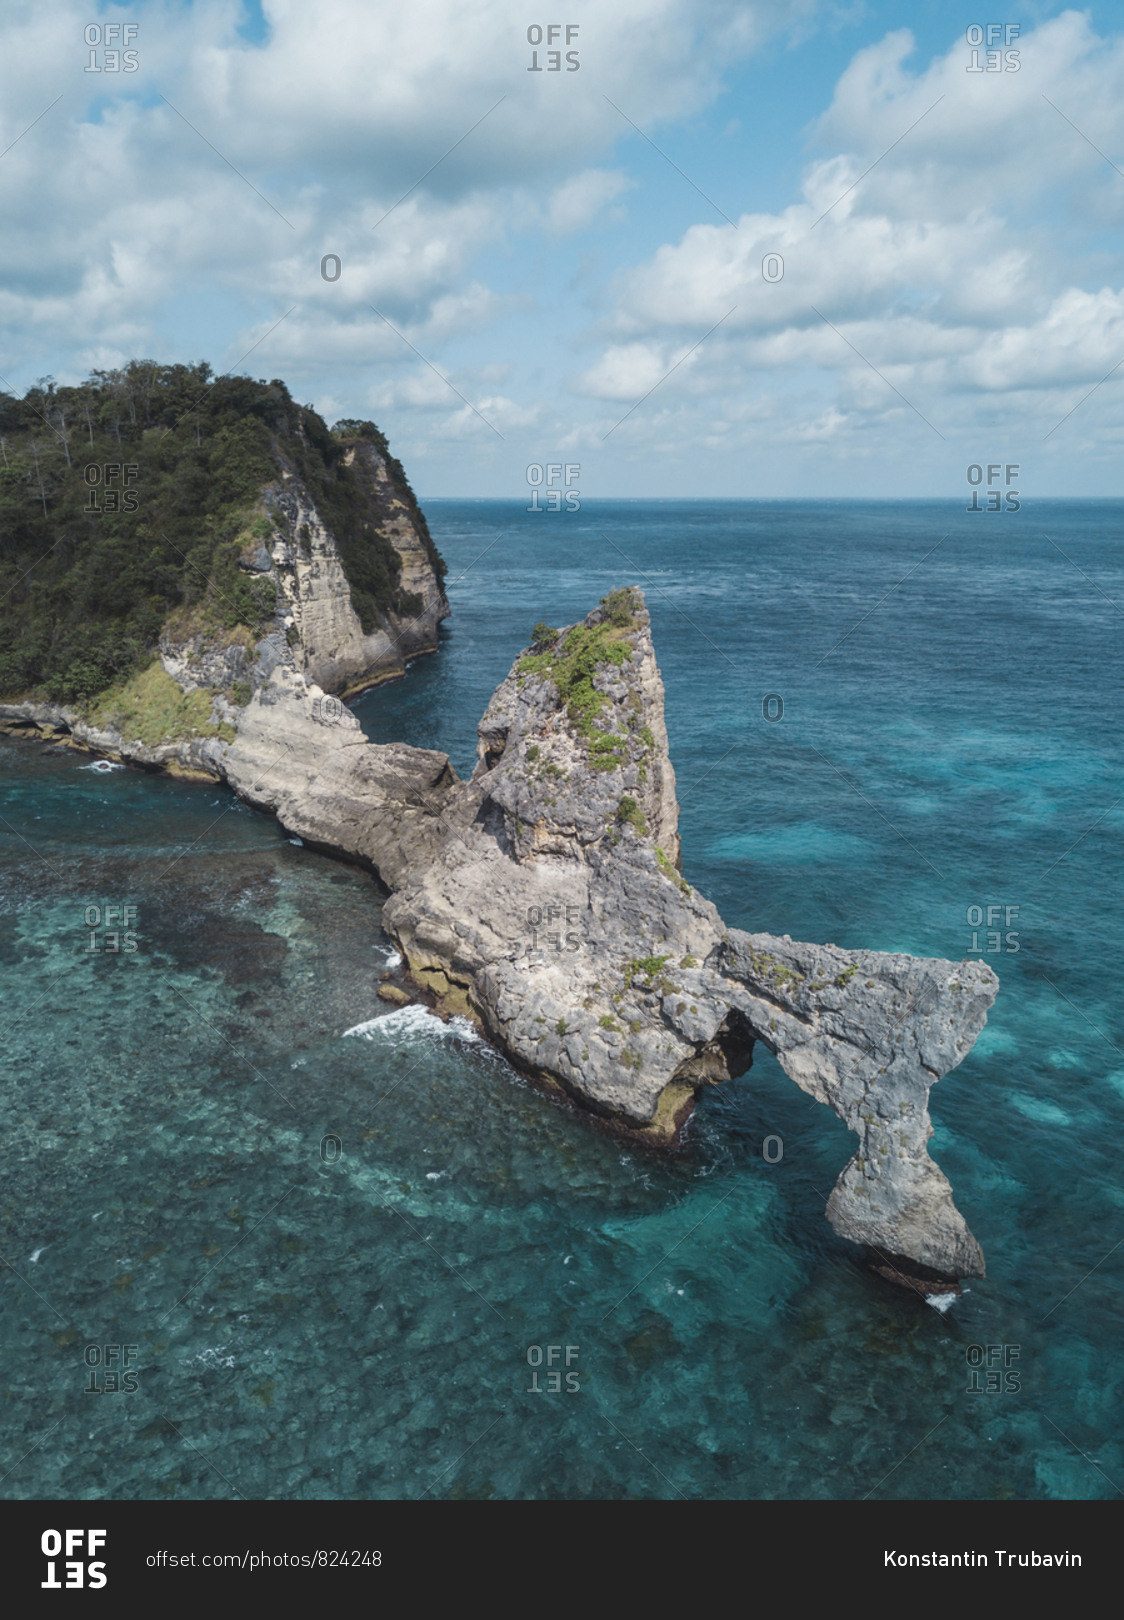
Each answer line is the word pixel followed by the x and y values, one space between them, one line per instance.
pixel 544 899
pixel 556 913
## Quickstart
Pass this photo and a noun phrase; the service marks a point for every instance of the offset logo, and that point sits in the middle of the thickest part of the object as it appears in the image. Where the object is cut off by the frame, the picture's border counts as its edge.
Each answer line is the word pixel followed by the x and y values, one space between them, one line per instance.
pixel 550 916
pixel 991 1369
pixel 116 924
pixel 108 1369
pixel 327 710
pixel 993 36
pixel 998 939
pixel 115 478
pixel 550 1354
pixel 1004 499
pixel 553 35
pixel 548 478
pixel 78 1571
pixel 111 36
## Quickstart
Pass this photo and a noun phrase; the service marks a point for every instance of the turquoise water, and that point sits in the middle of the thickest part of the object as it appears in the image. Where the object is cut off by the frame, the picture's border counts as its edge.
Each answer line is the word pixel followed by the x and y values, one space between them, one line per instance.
pixel 343 1261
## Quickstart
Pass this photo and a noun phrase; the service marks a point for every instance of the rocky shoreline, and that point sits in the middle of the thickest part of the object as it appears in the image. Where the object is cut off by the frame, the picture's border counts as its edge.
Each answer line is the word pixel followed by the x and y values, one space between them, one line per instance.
pixel 543 898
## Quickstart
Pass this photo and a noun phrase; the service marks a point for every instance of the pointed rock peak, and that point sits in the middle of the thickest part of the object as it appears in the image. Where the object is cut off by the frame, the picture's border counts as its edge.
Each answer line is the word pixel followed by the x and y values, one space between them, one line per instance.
pixel 573 746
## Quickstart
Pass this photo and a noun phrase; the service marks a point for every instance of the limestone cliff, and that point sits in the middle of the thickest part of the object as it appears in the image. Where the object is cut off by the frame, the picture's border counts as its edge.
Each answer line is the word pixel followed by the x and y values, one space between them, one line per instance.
pixel 544 899
pixel 304 560
pixel 292 549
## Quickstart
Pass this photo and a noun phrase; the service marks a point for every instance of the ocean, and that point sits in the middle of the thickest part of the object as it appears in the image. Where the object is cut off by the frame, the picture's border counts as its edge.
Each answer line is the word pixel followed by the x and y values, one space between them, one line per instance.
pixel 264 1237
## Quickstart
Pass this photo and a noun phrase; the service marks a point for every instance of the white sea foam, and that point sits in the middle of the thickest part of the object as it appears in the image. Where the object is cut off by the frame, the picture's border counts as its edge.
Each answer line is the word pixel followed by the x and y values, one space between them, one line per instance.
pixel 299 842
pixel 102 765
pixel 394 960
pixel 408 1022
pixel 213 1356
pixel 942 1302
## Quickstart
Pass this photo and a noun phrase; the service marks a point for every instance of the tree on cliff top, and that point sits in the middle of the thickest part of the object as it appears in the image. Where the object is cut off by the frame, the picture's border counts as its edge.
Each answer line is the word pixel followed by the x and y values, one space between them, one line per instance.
pixel 130 496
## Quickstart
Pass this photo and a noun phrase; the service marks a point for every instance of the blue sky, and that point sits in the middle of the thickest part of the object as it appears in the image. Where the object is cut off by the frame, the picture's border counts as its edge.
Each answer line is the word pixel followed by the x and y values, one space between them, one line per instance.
pixel 952 283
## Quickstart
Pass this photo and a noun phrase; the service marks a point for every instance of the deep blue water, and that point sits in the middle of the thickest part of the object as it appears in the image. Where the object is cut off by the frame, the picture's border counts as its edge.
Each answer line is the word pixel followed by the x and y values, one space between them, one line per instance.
pixel 367 1323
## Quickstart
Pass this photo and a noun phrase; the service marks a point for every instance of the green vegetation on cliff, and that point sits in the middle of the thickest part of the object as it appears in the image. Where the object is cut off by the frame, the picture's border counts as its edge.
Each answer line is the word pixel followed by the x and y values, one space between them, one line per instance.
pixel 131 500
pixel 571 662
pixel 151 708
pixel 362 560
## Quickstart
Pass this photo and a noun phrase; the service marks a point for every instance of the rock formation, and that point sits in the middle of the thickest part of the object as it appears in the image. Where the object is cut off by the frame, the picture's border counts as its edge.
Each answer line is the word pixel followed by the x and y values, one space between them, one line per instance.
pixel 333 649
pixel 554 910
pixel 543 898
pixel 316 638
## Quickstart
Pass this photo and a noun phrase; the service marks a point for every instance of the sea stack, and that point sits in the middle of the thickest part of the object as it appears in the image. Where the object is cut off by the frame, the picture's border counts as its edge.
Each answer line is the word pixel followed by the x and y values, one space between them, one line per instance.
pixel 544 898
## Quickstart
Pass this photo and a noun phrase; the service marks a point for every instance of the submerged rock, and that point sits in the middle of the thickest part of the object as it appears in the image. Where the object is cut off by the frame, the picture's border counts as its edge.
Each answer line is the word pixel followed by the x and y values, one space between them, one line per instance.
pixel 394 993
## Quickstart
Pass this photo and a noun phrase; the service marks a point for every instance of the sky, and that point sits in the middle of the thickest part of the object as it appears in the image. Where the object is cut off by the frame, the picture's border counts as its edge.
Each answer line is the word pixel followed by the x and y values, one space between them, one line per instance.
pixel 775 249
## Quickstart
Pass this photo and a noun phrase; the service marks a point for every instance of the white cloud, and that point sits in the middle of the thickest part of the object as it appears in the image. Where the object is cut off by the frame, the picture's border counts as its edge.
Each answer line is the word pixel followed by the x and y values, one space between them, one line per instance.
pixel 353 120
pixel 969 260
pixel 627 371
pixel 577 201
pixel 933 262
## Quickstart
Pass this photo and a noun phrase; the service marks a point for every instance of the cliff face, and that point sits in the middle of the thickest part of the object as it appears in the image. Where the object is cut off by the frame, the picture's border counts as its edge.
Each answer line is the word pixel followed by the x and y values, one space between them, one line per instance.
pixel 333 650
pixel 168 538
pixel 315 633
